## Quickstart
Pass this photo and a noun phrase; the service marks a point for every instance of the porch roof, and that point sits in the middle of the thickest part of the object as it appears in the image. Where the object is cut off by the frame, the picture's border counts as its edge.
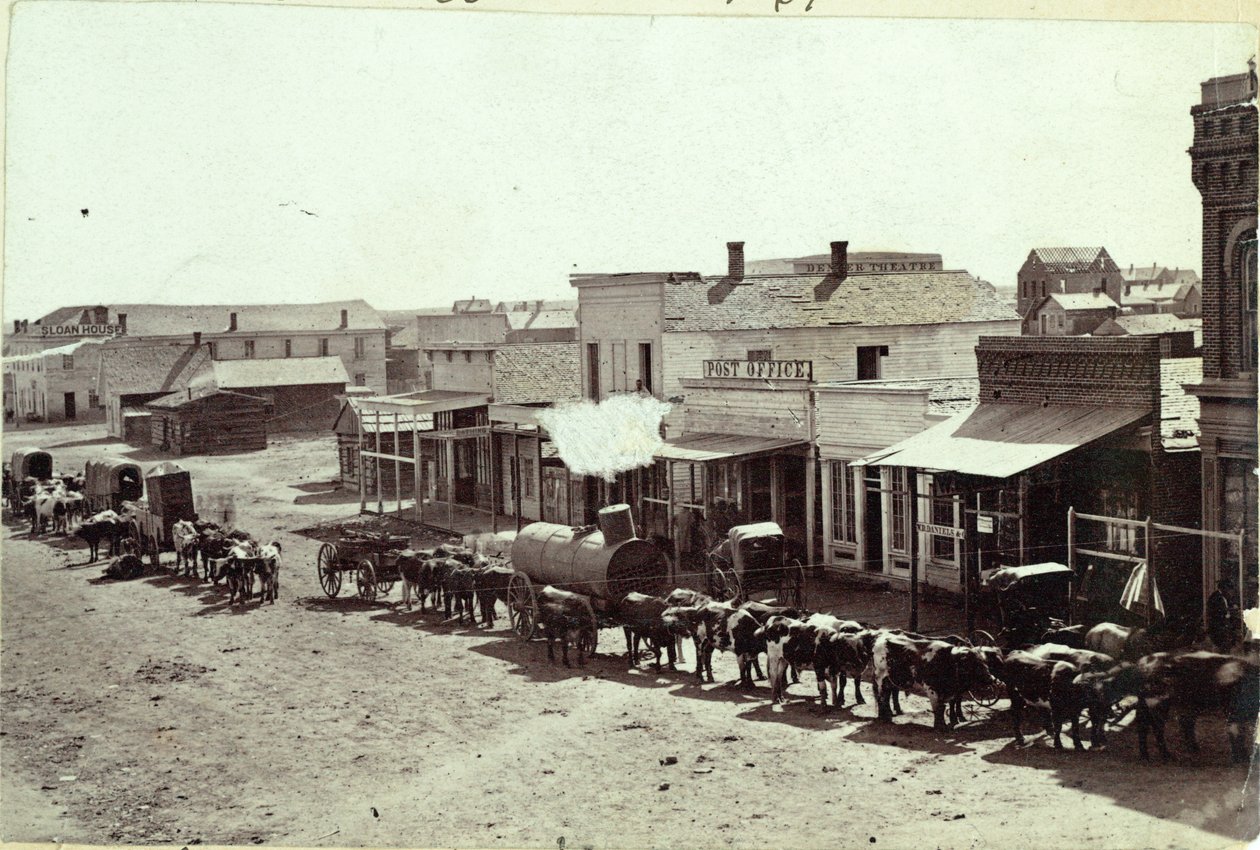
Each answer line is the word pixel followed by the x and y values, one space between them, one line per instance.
pixel 705 446
pixel 1000 440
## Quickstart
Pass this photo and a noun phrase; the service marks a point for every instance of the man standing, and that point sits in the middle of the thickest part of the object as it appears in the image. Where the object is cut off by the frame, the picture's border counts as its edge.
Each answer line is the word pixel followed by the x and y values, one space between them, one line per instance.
pixel 1223 616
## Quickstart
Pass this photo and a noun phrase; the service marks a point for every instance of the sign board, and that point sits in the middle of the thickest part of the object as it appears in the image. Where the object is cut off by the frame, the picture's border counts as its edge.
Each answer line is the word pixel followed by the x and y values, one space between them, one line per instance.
pixel 759 369
pixel 940 530
pixel 82 330
pixel 984 524
pixel 880 267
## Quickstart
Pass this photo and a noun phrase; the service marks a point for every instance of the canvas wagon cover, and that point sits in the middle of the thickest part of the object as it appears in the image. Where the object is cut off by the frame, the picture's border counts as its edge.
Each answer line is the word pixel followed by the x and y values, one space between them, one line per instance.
pixel 22 458
pixel 99 475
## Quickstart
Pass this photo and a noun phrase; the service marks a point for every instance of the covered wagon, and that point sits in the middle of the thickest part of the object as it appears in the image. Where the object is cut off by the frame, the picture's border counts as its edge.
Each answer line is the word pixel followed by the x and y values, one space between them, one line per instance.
pixel 168 499
pixel 109 482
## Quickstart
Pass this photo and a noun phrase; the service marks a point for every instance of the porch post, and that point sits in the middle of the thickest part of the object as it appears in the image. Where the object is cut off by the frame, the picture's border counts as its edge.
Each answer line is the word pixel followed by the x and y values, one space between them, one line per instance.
pixel 669 520
pixel 912 482
pixel 538 476
pixel 1023 519
pixel 397 465
pixel 415 472
pixel 516 478
pixel 810 495
pixel 376 466
pixel 828 532
pixel 358 458
pixel 1071 547
pixel 568 495
pixel 1150 570
pixel 450 482
pixel 494 490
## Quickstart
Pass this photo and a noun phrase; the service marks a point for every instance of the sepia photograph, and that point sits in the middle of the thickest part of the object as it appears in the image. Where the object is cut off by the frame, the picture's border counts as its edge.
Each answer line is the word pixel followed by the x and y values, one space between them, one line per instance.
pixel 740 426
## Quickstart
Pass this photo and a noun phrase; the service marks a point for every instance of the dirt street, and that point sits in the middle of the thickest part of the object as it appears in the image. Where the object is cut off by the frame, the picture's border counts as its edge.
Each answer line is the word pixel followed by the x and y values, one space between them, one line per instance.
pixel 151 712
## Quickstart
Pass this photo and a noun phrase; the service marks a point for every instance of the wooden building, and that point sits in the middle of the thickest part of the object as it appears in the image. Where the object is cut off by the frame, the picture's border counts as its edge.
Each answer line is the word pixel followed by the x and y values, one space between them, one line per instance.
pixel 208 421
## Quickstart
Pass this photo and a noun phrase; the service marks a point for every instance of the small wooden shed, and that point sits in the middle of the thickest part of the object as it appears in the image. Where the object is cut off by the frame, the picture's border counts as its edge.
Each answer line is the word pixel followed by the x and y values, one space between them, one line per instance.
pixel 208 420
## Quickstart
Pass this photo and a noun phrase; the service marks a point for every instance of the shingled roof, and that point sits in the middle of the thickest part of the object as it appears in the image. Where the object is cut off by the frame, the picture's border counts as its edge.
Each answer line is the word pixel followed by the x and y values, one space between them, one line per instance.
pixel 695 303
pixel 175 319
pixel 138 370
pixel 1179 410
pixel 1074 260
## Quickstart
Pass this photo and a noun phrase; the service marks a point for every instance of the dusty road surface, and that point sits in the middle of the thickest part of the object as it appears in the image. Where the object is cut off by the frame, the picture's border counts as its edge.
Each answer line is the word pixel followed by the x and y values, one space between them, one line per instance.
pixel 151 712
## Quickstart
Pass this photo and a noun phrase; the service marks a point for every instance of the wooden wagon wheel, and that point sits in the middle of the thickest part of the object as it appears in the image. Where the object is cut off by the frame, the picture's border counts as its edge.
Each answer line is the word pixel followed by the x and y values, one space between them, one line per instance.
pixel 366 580
pixel 792 584
pixel 522 605
pixel 724 584
pixel 383 585
pixel 328 569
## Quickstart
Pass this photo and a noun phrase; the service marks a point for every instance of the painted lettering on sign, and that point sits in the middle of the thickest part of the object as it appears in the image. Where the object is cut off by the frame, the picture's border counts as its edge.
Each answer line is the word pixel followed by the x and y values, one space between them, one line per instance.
pixel 872 268
pixel 759 369
pixel 984 524
pixel 82 330
pixel 940 530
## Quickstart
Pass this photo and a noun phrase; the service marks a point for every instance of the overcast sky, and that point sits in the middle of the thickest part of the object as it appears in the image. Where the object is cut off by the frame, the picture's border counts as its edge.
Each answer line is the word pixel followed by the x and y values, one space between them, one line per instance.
pixel 229 153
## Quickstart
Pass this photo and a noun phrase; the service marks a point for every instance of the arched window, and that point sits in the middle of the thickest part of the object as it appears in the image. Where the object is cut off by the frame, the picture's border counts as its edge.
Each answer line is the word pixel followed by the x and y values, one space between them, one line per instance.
pixel 1247 274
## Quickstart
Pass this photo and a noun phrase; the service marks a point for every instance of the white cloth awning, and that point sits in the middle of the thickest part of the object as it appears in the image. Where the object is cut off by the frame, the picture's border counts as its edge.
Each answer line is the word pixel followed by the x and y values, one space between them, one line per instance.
pixel 1001 440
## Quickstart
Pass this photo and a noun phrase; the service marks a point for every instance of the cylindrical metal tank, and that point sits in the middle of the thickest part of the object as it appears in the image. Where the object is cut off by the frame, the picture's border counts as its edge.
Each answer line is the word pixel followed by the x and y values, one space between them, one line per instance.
pixel 617 523
pixel 576 559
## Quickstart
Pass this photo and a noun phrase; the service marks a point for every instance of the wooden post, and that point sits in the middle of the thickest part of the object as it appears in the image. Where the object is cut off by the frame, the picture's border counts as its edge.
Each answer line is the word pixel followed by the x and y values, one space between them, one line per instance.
pixel 671 530
pixel 1150 571
pixel 1023 518
pixel 494 490
pixel 1071 547
pixel 450 482
pixel 828 509
pixel 397 466
pixel 857 480
pixel 1242 573
pixel 416 471
pixel 810 496
pixel 912 509
pixel 376 466
pixel 538 476
pixel 516 477
pixel 568 495
pixel 358 458
pixel 971 575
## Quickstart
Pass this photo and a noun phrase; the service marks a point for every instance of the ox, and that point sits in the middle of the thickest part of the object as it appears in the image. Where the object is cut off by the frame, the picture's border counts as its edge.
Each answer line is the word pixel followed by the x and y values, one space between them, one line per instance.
pixel 643 619
pixel 942 671
pixel 566 617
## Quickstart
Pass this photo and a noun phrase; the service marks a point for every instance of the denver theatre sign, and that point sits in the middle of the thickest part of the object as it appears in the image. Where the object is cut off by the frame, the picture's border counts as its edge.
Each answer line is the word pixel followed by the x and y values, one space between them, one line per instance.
pixel 760 369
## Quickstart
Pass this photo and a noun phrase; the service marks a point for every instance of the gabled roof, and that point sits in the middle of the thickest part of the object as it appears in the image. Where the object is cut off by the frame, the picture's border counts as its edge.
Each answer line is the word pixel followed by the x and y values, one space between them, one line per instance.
pixel 473 305
pixel 1070 301
pixel 1157 323
pixel 137 370
pixel 1136 273
pixel 694 303
pixel 176 319
pixel 1074 260
pixel 279 372
pixel 1179 410
pixel 198 394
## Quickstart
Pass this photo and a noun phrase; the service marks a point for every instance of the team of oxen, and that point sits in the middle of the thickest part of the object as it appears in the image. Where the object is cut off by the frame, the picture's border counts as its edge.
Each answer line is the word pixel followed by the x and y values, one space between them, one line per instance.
pixel 52 504
pixel 1074 673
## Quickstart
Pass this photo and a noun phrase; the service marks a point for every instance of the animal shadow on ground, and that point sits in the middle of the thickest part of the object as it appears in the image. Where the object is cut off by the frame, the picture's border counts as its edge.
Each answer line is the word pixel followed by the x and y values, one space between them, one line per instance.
pixel 913 731
pixel 326 496
pixel 1203 790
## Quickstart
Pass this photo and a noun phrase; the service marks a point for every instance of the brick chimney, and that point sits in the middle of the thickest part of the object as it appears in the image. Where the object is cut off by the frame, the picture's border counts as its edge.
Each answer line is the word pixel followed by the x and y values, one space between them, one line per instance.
pixel 840 259
pixel 122 323
pixel 231 321
pixel 345 319
pixel 196 339
pixel 735 260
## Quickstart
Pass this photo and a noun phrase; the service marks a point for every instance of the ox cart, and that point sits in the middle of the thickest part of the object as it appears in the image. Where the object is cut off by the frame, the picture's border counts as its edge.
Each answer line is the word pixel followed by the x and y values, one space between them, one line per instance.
pixel 109 482
pixel 169 500
pixel 373 558
pixel 604 563
pixel 754 558
pixel 25 464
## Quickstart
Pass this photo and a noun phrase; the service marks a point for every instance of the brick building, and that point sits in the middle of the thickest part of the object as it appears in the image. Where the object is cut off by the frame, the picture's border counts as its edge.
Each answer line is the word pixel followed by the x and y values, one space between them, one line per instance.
pixel 1066 270
pixel 1074 422
pixel 1159 289
pixel 1223 165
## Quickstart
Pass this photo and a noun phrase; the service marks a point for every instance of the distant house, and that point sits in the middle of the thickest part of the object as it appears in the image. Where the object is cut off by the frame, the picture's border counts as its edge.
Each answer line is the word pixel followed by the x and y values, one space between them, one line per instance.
pixel 206 420
pixel 1158 289
pixel 1158 324
pixel 1050 271
pixel 1069 314
pixel 299 394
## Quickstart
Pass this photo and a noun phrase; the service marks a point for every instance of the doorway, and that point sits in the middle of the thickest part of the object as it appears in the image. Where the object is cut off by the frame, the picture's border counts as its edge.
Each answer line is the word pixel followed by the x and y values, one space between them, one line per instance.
pixel 71 411
pixel 873 523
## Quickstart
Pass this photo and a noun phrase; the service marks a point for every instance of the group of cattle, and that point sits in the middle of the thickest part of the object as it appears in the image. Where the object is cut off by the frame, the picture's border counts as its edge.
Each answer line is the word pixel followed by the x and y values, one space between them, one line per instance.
pixel 52 504
pixel 231 556
pixel 455 578
pixel 1065 681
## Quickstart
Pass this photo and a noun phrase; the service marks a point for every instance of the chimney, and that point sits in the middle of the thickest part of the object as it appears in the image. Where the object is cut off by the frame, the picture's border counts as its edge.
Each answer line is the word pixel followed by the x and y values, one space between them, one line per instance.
pixel 231 321
pixel 196 339
pixel 17 326
pixel 840 259
pixel 122 323
pixel 345 319
pixel 735 260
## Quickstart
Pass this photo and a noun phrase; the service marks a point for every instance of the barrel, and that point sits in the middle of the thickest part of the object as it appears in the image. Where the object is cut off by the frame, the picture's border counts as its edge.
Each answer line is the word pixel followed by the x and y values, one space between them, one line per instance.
pixel 617 524
pixel 577 559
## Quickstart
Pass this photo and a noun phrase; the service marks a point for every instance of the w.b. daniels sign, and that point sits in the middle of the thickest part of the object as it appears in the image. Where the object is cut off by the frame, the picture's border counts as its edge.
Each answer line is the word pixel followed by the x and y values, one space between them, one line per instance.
pixel 759 369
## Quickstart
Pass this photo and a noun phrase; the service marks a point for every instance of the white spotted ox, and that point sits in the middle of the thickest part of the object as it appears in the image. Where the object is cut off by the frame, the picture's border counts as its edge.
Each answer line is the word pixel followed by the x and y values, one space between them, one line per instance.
pixel 937 669
pixel 187 541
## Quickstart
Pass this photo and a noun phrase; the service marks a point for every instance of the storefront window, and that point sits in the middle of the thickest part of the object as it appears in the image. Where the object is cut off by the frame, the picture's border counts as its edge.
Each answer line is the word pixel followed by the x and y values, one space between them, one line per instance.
pixel 900 508
pixel 944 512
pixel 843 505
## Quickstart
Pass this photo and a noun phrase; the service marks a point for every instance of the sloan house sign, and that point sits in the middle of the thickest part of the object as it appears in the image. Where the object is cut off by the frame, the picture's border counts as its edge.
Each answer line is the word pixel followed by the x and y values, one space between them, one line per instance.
pixel 759 369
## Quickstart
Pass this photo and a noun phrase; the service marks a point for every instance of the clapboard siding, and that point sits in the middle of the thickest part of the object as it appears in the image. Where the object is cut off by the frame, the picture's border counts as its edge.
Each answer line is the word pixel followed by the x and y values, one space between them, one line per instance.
pixel 914 351
pixel 619 316
pixel 755 412
pixel 854 423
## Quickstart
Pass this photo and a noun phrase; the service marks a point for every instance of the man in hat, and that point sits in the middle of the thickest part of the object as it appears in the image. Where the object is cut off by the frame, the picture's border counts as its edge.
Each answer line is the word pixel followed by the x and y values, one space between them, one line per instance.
pixel 1223 616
